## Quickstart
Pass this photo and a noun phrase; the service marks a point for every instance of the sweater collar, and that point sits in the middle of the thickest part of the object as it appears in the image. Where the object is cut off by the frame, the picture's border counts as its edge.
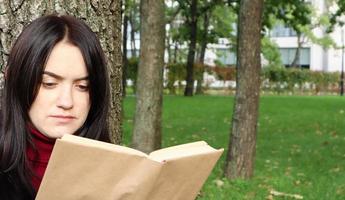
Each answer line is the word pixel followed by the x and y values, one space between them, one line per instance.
pixel 43 146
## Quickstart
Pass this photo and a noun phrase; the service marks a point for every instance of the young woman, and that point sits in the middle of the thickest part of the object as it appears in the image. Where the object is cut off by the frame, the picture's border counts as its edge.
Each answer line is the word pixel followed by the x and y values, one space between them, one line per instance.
pixel 56 83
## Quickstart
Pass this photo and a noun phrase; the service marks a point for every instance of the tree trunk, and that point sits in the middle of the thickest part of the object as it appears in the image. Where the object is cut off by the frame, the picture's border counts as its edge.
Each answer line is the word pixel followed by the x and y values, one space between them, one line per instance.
pixel 200 80
pixel 14 16
pixel 168 47
pixel 297 54
pixel 104 18
pixel 192 22
pixel 148 113
pixel 175 52
pixel 133 48
pixel 124 51
pixel 241 152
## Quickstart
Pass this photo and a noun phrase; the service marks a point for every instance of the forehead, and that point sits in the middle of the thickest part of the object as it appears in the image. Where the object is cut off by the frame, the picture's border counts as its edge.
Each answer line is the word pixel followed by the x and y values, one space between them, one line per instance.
pixel 66 60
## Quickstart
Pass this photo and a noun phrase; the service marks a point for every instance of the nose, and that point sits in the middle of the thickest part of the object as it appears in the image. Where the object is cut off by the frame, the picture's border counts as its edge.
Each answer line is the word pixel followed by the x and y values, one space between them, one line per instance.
pixel 65 98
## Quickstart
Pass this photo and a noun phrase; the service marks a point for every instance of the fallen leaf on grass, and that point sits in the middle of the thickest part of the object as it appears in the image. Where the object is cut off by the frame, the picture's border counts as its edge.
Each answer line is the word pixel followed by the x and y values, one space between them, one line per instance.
pixel 297 182
pixel 300 174
pixel 318 132
pixel 341 190
pixel 269 197
pixel 168 126
pixel 195 136
pixel 336 169
pixel 219 183
pixel 282 194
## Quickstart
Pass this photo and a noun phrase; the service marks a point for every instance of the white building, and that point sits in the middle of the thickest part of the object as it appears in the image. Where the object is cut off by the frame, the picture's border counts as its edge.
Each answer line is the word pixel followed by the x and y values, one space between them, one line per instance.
pixel 312 56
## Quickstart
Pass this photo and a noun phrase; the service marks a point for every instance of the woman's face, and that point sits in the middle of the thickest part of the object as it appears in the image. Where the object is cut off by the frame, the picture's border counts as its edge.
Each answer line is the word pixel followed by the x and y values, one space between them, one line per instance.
pixel 62 103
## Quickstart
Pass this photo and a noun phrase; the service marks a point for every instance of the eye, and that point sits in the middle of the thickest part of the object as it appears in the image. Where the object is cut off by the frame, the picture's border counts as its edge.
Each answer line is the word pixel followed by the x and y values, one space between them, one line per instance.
pixel 49 85
pixel 82 87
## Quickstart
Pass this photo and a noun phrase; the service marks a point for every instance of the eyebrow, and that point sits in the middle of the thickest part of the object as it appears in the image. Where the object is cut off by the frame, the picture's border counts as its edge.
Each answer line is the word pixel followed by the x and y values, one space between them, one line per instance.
pixel 60 77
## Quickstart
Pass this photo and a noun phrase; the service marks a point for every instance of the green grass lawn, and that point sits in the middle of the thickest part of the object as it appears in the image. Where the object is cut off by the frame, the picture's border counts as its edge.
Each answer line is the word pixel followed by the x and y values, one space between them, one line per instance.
pixel 300 147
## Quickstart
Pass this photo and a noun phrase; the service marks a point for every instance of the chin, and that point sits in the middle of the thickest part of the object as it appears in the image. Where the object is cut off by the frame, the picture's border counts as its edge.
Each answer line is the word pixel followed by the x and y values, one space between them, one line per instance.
pixel 59 134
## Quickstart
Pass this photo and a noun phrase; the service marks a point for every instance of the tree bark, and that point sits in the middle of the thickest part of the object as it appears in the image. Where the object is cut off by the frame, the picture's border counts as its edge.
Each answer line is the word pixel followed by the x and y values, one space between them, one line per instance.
pixel 192 22
pixel 297 53
pixel 104 18
pixel 148 114
pixel 241 152
pixel 200 80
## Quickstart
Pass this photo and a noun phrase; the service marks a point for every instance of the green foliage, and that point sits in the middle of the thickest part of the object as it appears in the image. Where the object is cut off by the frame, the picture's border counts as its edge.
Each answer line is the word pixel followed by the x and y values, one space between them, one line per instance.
pixel 277 79
pixel 271 52
pixel 336 17
pixel 274 74
pixel 180 32
pixel 199 70
pixel 223 19
pixel 323 20
pixel 293 13
pixel 300 143
pixel 282 79
pixel 324 81
pixel 301 16
pixel 132 10
pixel 218 62
pixel 176 73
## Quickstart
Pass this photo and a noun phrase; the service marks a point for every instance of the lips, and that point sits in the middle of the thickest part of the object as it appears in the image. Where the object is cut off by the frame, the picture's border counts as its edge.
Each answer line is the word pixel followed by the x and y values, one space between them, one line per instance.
pixel 63 118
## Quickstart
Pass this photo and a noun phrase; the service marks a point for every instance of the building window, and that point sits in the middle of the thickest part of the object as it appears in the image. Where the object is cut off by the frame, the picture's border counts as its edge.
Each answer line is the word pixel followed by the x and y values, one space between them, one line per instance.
pixel 282 31
pixel 226 57
pixel 288 55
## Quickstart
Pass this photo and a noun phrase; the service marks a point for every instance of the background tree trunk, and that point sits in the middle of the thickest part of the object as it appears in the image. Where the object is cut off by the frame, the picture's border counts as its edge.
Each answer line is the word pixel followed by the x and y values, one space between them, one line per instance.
pixel 168 47
pixel 192 22
pixel 133 31
pixel 175 52
pixel 124 47
pixel 296 63
pixel 200 79
pixel 148 113
pixel 241 152
pixel 104 18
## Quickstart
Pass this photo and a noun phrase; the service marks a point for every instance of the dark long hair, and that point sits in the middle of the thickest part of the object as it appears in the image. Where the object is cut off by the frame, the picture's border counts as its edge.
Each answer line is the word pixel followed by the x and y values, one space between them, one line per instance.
pixel 24 70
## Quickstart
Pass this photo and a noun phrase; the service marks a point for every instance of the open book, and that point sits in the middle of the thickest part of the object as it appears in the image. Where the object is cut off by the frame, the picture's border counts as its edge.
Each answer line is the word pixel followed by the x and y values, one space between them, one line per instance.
pixel 86 169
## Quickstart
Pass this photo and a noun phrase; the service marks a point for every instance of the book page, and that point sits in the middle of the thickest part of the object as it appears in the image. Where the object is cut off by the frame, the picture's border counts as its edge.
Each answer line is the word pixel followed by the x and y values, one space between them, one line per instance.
pixel 103 145
pixel 80 171
pixel 180 151
pixel 183 177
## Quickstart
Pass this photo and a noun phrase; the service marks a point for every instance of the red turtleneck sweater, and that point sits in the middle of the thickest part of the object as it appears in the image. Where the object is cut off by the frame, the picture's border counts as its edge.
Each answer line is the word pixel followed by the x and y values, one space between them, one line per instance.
pixel 38 160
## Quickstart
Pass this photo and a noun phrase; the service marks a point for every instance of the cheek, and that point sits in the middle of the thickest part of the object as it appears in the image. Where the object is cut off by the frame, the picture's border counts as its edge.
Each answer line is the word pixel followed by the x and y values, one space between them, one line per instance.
pixel 39 105
pixel 85 104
